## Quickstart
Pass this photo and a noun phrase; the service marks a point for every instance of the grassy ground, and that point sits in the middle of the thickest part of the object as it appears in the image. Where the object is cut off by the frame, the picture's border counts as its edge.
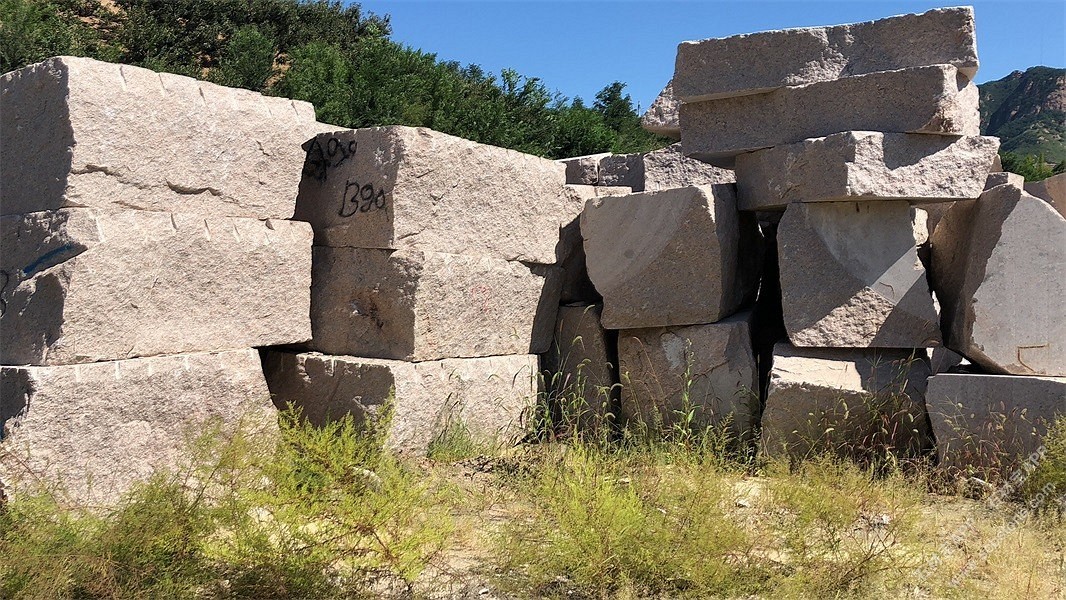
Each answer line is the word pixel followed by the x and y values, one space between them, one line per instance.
pixel 324 514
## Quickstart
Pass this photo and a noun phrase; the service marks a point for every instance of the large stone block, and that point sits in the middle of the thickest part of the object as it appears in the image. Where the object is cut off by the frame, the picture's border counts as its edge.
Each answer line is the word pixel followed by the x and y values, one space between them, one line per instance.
pixel 661 118
pixel 89 432
pixel 992 421
pixel 1051 190
pixel 81 285
pixel 846 401
pixel 411 305
pixel 935 100
pixel 669 168
pixel 488 397
pixel 760 62
pixel 865 165
pixel 665 258
pixel 581 368
pixel 570 253
pixel 414 188
pixel 850 277
pixel 583 170
pixel 999 271
pixel 83 133
pixel 706 369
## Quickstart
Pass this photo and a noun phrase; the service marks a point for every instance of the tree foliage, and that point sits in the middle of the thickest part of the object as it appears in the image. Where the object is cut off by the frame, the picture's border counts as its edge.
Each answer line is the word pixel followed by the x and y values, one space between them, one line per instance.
pixel 335 56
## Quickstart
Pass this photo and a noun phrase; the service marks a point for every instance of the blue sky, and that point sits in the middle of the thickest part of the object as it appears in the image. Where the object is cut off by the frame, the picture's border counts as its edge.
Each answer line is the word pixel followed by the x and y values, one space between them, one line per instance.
pixel 579 47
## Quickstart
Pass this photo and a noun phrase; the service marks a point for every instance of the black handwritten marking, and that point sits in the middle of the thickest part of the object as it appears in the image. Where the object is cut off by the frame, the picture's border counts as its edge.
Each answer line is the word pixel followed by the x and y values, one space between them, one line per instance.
pixel 5 278
pixel 361 198
pixel 320 160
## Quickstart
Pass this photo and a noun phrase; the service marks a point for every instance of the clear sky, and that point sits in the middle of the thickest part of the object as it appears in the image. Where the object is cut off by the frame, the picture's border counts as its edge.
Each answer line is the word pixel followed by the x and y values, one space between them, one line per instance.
pixel 578 47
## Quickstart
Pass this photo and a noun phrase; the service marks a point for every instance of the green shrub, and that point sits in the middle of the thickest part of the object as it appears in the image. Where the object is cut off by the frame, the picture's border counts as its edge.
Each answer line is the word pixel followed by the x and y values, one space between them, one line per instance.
pixel 322 512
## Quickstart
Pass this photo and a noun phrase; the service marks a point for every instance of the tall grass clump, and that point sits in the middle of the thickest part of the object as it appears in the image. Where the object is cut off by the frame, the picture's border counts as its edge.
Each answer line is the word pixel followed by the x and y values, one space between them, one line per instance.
pixel 312 512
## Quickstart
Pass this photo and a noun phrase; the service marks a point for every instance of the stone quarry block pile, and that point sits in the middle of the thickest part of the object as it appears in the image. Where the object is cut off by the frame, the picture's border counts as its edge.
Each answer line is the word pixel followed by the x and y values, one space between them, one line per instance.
pixel 830 216
pixel 140 263
pixel 858 148
pixel 435 283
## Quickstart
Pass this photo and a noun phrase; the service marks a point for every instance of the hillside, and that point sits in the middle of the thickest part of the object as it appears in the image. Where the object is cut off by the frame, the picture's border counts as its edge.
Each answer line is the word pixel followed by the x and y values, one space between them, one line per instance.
pixel 1027 111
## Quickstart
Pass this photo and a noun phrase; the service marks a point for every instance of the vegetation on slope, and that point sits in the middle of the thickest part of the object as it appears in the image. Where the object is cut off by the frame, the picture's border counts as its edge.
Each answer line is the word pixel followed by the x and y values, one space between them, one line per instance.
pixel 1027 111
pixel 335 56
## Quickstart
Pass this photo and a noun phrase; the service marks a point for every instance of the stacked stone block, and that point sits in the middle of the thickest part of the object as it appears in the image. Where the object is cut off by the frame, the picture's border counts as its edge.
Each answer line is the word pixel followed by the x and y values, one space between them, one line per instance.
pixel 434 284
pixel 866 137
pixel 141 263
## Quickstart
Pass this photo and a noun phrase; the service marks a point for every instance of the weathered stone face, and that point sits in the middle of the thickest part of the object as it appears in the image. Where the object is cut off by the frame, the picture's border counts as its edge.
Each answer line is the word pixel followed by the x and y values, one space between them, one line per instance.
pixel 81 285
pixel 570 253
pixel 708 369
pixel 661 118
pixel 91 431
pixel 1051 190
pixel 850 277
pixel 932 100
pixel 984 421
pixel 583 170
pixel 760 62
pixel 664 258
pixel 581 368
pixel 1004 178
pixel 865 165
pixel 669 168
pixel 414 188
pixel 101 135
pixel 487 396
pixel 417 306
pixel 999 270
pixel 845 401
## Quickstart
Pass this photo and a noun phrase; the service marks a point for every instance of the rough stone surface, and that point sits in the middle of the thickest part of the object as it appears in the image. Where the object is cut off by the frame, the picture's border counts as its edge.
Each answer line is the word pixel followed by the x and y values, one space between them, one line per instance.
pixel 1004 178
pixel 932 99
pixel 488 396
pixel 584 170
pixel 669 168
pixel 714 362
pixel 991 420
pixel 1051 190
pixel 82 285
pixel 761 62
pixel 623 170
pixel 412 305
pixel 850 277
pixel 90 431
pixel 865 165
pixel 83 133
pixel 662 117
pixel 845 400
pixel 920 225
pixel 414 188
pixel 581 368
pixel 665 258
pixel 999 271
pixel 570 253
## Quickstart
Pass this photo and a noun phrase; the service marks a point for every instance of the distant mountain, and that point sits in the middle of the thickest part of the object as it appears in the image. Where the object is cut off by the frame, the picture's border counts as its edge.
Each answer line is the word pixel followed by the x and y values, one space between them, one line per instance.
pixel 1027 111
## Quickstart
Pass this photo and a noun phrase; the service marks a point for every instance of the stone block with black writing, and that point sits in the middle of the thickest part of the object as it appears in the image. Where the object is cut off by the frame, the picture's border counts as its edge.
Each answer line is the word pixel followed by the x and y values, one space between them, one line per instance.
pixel 81 285
pixel 89 432
pixel 79 132
pixel 408 188
pixel 486 398
pixel 417 306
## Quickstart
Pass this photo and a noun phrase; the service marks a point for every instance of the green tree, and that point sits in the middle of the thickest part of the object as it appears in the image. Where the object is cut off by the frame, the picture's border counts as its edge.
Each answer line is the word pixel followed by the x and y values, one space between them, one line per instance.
pixel 248 61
